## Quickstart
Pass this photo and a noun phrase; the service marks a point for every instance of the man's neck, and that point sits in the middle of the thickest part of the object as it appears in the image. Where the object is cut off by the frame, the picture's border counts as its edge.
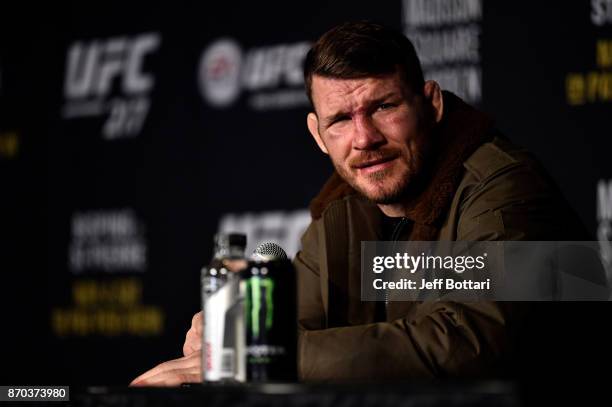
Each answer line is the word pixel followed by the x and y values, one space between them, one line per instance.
pixel 393 210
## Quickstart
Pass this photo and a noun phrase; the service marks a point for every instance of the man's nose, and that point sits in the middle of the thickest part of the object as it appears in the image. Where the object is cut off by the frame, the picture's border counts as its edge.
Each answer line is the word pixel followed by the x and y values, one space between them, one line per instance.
pixel 367 136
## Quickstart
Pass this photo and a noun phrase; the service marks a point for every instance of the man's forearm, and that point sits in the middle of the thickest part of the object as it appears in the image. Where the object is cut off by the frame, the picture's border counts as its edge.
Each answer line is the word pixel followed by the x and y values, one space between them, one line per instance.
pixel 441 344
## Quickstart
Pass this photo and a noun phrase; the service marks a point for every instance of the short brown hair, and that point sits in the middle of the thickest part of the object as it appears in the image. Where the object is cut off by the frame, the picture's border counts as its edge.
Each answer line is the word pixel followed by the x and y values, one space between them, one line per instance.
pixel 360 49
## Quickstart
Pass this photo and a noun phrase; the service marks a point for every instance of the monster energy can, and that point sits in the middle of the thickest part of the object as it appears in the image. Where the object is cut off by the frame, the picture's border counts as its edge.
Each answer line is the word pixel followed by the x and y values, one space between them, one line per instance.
pixel 269 289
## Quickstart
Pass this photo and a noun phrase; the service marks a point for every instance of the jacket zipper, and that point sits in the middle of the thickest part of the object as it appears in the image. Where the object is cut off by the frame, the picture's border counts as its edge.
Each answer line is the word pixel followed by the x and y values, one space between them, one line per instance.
pixel 394 237
pixel 398 228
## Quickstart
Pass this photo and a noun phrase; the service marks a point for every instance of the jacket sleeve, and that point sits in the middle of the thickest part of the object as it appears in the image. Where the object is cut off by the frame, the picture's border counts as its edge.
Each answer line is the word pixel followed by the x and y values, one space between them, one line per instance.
pixel 444 340
pixel 311 312
pixel 441 339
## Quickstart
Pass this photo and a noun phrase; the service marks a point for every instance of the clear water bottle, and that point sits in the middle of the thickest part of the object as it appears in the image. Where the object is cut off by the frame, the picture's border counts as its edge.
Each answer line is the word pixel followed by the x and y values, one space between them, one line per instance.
pixel 223 309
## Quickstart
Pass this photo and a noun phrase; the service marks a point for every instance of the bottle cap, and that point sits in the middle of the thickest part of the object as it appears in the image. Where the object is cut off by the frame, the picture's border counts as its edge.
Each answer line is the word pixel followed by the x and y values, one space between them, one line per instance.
pixel 230 245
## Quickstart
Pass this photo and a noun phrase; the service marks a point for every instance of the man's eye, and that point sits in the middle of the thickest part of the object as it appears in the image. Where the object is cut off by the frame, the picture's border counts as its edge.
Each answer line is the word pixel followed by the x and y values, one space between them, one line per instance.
pixel 385 106
pixel 339 120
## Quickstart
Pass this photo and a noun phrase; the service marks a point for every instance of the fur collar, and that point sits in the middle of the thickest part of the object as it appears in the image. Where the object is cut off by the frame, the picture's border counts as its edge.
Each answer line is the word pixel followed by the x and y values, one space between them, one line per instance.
pixel 460 132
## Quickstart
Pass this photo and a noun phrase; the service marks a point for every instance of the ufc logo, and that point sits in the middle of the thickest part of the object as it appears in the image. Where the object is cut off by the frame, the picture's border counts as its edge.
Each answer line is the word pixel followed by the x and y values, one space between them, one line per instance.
pixel 93 67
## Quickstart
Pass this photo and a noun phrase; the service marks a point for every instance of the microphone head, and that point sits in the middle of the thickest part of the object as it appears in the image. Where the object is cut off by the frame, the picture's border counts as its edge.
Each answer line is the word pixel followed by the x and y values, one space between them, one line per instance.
pixel 269 251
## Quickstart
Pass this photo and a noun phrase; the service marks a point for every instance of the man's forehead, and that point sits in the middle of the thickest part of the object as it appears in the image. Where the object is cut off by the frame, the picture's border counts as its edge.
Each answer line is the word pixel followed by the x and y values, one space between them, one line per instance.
pixel 335 93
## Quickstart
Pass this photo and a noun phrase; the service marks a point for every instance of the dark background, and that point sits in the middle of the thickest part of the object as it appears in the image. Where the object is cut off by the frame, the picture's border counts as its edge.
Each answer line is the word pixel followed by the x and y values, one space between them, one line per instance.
pixel 191 162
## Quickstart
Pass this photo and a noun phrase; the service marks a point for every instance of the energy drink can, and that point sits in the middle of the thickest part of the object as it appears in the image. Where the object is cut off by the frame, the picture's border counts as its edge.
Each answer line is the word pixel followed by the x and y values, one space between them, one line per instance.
pixel 270 311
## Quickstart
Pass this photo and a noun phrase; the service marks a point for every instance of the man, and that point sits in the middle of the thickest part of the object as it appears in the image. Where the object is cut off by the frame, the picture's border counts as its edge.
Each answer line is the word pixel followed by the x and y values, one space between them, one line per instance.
pixel 412 163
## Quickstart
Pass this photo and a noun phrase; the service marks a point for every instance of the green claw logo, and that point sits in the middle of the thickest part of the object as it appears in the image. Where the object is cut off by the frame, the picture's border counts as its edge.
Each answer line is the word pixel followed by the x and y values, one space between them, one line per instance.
pixel 255 285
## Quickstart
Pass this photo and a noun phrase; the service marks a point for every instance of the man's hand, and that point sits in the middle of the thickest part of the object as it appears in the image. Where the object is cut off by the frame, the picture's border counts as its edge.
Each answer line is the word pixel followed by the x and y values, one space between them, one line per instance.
pixel 193 339
pixel 173 372
pixel 187 369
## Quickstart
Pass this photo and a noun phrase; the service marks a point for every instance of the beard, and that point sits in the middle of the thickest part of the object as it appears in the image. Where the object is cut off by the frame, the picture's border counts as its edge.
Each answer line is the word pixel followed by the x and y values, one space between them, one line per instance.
pixel 390 185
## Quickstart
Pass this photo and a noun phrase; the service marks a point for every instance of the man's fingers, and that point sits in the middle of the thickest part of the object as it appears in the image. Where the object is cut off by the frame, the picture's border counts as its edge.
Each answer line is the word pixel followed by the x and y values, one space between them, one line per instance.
pixel 188 374
pixel 149 373
pixel 191 364
pixel 161 368
pixel 172 378
pixel 193 343
pixel 193 338
pixel 196 322
pixel 187 368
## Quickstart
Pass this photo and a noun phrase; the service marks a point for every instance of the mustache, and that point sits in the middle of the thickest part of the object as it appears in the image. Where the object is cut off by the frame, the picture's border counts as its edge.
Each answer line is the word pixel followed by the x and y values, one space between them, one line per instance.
pixel 368 158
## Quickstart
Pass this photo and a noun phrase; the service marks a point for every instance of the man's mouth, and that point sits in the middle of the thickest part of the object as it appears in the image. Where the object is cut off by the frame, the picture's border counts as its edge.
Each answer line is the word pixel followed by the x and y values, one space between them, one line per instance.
pixel 371 166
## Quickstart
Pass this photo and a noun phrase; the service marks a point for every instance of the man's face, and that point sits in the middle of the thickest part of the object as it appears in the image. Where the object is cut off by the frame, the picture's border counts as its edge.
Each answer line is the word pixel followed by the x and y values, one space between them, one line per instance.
pixel 374 131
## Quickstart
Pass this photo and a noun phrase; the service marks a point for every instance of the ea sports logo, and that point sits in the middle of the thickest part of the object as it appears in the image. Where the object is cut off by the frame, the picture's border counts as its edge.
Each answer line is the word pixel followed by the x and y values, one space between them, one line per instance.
pixel 266 77
pixel 219 72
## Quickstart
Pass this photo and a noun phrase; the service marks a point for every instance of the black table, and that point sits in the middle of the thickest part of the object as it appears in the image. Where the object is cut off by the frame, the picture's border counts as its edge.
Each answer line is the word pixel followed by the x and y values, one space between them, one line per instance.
pixel 493 393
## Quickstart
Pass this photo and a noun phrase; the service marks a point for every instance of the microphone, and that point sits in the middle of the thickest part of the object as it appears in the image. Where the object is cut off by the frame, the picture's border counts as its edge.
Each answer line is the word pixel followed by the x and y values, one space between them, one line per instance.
pixel 269 251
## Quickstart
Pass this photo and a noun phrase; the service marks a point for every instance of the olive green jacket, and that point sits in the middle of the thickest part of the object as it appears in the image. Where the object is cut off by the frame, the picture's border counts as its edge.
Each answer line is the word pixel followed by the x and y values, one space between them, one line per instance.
pixel 502 194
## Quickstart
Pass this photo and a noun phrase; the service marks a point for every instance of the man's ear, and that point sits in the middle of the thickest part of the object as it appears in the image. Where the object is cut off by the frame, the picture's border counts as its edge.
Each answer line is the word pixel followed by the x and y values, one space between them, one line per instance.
pixel 313 126
pixel 433 94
